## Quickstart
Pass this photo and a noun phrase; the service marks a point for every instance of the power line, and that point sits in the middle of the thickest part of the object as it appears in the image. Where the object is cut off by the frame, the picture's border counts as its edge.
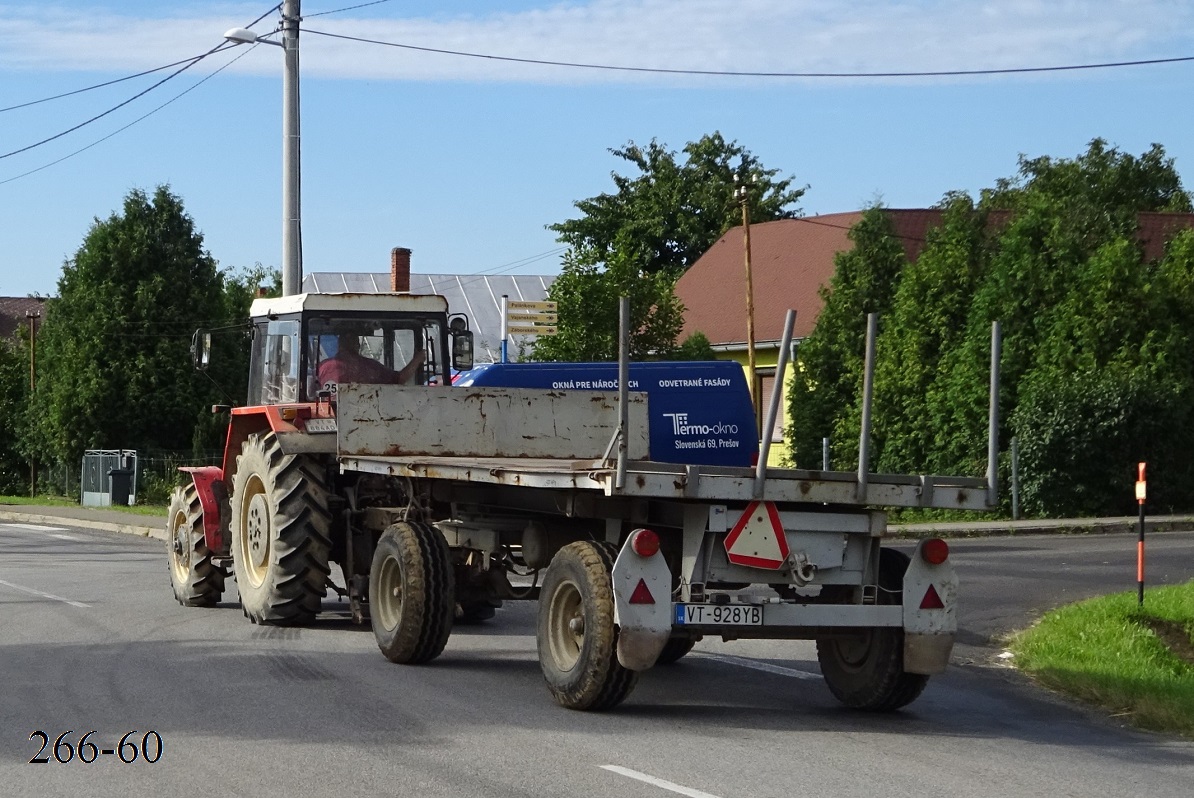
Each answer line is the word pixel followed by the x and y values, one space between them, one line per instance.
pixel 140 74
pixel 100 85
pixel 744 74
pixel 346 8
pixel 130 124
pixel 141 93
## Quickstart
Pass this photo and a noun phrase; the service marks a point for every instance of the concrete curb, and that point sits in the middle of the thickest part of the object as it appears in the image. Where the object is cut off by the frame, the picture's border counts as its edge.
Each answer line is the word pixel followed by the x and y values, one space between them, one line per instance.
pixel 140 530
pixel 1060 526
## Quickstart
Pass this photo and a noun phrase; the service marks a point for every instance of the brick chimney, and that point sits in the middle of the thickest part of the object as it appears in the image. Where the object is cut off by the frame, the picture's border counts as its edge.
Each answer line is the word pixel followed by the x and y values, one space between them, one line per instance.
pixel 400 269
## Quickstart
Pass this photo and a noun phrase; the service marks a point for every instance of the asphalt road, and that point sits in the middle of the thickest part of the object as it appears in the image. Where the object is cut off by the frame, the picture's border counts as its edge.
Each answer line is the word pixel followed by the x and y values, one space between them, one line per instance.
pixel 90 638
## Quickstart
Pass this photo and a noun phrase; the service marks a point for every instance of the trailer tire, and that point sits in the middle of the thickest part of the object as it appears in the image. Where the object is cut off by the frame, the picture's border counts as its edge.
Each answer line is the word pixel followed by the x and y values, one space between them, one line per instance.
pixel 576 635
pixel 866 671
pixel 197 580
pixel 675 649
pixel 280 529
pixel 412 593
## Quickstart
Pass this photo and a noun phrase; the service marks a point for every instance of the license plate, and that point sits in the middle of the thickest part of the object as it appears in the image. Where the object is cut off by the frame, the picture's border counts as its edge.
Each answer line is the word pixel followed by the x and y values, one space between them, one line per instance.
pixel 719 615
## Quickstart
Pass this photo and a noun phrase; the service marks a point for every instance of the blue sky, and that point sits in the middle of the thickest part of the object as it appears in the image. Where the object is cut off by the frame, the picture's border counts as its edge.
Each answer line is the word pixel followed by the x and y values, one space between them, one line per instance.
pixel 466 160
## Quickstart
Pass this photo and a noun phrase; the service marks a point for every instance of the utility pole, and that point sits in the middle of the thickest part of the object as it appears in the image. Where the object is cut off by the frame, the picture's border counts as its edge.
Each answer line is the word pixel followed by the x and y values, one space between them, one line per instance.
pixel 292 265
pixel 31 316
pixel 742 193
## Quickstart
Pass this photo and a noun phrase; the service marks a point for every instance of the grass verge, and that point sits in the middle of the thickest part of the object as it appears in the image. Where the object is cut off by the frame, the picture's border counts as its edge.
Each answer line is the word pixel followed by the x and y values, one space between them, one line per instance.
pixel 63 501
pixel 1137 663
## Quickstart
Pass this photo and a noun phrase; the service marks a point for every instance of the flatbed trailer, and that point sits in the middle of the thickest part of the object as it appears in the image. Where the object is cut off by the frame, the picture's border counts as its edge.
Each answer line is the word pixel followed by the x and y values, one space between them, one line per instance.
pixel 441 503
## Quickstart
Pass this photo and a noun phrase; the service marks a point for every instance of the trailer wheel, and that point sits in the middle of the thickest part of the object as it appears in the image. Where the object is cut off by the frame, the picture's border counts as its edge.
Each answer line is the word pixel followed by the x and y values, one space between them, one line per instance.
pixel 412 593
pixel 280 530
pixel 197 580
pixel 675 649
pixel 866 671
pixel 576 635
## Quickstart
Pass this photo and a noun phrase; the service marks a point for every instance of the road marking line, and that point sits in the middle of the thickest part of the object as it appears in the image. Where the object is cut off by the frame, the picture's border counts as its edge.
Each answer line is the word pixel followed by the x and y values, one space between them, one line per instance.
pixel 762 666
pixel 666 785
pixel 64 537
pixel 35 527
pixel 44 595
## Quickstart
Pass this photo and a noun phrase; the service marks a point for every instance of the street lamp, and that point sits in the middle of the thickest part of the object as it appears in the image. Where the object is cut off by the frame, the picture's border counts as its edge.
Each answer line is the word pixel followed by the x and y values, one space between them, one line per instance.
pixel 292 267
pixel 742 194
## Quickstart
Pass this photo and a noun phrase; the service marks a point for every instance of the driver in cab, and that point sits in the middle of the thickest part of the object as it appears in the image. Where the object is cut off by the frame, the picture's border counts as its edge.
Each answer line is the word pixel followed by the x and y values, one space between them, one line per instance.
pixel 349 365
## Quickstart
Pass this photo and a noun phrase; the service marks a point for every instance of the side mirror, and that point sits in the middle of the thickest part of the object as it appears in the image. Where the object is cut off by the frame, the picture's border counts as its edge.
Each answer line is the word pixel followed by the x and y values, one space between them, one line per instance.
pixel 462 342
pixel 462 351
pixel 201 349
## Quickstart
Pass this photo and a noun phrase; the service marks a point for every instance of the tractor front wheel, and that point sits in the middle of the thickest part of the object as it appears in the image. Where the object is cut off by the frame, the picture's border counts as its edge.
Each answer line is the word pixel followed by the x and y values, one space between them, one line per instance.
pixel 197 580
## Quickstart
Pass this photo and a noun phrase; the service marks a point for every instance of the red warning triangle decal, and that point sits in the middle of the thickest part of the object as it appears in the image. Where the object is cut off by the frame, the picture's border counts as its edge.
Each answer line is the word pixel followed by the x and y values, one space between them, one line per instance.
pixel 932 601
pixel 758 539
pixel 642 594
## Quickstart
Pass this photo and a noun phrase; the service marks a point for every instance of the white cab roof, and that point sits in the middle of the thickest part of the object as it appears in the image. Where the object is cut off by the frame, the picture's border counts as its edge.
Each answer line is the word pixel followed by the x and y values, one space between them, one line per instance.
pixel 348 302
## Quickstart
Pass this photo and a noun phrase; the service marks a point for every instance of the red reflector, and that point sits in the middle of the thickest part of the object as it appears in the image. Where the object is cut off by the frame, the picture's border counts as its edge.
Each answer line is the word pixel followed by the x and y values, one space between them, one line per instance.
pixel 931 601
pixel 644 542
pixel 934 551
pixel 642 594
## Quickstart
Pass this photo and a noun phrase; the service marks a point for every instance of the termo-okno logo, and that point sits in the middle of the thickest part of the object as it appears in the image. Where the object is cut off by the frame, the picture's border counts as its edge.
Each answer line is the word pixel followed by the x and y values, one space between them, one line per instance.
pixel 681 428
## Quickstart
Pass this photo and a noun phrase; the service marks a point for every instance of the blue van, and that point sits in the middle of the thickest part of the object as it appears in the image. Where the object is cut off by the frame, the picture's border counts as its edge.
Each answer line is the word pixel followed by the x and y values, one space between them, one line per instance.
pixel 700 412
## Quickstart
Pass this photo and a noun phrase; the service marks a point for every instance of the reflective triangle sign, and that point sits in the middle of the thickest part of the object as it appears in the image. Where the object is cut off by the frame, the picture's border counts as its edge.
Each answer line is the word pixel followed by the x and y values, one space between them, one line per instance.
pixel 758 539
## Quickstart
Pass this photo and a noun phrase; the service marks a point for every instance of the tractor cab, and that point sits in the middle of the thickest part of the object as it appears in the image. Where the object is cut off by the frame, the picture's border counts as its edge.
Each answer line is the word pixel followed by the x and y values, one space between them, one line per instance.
pixel 304 345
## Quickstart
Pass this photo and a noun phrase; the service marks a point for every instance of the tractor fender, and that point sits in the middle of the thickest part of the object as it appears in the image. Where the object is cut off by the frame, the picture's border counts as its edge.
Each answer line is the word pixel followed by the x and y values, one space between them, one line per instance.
pixel 213 497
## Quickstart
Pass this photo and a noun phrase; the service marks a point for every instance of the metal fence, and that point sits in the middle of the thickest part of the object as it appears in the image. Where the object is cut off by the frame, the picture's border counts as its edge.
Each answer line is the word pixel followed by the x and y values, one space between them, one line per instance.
pixel 95 479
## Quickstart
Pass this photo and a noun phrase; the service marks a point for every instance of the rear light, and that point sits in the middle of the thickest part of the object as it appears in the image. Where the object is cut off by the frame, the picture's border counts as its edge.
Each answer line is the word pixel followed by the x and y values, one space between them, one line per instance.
pixel 934 551
pixel 644 542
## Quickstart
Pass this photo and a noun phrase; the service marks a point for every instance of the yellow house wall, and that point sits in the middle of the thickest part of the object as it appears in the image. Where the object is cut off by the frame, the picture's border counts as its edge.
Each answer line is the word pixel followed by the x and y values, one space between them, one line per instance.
pixel 768 358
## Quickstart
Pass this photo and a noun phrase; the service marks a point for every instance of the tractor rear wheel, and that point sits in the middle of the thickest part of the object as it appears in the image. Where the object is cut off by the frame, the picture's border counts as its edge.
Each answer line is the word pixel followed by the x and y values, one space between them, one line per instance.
pixel 280 529
pixel 412 593
pixel 576 634
pixel 866 670
pixel 197 580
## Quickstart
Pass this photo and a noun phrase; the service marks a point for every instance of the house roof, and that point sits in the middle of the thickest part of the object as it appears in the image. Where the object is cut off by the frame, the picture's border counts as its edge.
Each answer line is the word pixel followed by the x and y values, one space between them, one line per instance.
pixel 13 309
pixel 792 258
pixel 479 296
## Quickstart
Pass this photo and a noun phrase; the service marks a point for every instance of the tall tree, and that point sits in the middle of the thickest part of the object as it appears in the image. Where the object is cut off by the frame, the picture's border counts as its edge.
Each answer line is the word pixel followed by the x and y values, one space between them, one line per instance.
pixel 639 240
pixel 1097 367
pixel 14 393
pixel 587 303
pixel 672 211
pixel 115 369
pixel 829 363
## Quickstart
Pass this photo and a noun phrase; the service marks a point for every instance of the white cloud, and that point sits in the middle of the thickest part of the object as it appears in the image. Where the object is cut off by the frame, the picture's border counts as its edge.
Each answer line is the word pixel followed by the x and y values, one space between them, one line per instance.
pixel 749 35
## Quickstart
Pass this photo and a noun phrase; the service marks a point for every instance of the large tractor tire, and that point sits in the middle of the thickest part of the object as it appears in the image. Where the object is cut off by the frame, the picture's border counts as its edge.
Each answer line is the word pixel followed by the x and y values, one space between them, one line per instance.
pixel 576 634
pixel 280 529
pixel 866 670
pixel 412 593
pixel 197 580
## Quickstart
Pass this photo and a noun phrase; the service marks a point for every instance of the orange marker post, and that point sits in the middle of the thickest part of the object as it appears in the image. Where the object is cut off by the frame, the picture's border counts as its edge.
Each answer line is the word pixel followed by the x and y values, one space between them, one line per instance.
pixel 1141 493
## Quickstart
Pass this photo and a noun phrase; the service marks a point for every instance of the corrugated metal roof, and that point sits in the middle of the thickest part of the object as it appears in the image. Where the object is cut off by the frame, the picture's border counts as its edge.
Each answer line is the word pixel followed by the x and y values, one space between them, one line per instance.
pixel 479 296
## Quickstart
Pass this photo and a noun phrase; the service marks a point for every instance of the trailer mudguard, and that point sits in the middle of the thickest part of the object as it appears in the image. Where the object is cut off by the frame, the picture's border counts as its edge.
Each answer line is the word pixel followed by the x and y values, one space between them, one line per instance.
pixel 930 614
pixel 642 606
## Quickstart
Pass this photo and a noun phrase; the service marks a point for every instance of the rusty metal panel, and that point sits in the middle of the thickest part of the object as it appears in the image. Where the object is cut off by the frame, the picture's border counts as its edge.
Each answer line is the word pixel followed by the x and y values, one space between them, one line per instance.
pixel 398 421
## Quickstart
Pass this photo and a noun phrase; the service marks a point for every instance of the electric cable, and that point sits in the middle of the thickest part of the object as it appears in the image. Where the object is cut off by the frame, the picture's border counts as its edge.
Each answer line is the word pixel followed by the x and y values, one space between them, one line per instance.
pixel 172 75
pixel 346 8
pixel 750 74
pixel 130 124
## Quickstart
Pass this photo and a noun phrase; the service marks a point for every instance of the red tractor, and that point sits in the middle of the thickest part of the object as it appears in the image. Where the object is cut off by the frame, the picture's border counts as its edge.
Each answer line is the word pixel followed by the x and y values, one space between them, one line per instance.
pixel 278 509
